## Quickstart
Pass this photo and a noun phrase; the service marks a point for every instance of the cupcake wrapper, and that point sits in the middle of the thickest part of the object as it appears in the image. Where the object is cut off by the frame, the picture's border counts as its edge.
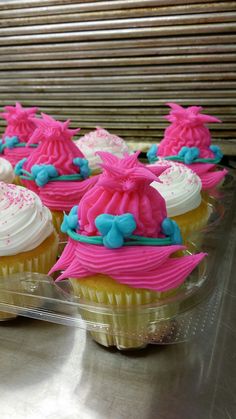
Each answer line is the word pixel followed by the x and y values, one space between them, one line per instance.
pixel 132 328
pixel 32 262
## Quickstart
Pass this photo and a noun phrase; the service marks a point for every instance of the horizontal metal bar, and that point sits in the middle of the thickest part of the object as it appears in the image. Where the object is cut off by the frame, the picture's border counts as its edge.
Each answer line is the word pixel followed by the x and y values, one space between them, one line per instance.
pixel 123 70
pixel 163 54
pixel 27 78
pixel 91 4
pixel 103 120
pixel 7 86
pixel 76 13
pixel 86 35
pixel 118 24
pixel 63 97
pixel 163 42
pixel 125 102
pixel 115 112
pixel 95 119
pixel 138 126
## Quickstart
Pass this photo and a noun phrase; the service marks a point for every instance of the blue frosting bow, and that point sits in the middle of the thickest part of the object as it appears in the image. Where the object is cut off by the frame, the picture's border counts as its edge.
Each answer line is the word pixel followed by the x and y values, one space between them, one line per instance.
pixel 189 154
pixel 115 228
pixel 83 166
pixel 11 142
pixel 19 166
pixel 170 228
pixel 70 221
pixel 152 153
pixel 217 151
pixel 43 173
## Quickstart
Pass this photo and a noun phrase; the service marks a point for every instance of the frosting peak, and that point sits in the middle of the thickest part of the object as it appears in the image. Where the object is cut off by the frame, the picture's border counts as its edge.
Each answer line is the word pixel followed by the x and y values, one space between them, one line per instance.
pixel 124 174
pixel 48 129
pixel 189 116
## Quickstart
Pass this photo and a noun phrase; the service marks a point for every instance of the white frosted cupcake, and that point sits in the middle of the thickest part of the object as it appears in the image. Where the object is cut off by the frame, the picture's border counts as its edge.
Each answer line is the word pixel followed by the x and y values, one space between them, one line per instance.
pixel 181 189
pixel 28 242
pixel 6 171
pixel 101 140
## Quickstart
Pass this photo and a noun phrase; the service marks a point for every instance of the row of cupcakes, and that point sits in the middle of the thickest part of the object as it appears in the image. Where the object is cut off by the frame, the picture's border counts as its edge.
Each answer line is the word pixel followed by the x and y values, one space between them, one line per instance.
pixel 123 248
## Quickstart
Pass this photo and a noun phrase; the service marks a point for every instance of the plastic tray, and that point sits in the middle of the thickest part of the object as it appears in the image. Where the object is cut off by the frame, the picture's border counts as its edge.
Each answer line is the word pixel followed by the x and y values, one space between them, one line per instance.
pixel 170 320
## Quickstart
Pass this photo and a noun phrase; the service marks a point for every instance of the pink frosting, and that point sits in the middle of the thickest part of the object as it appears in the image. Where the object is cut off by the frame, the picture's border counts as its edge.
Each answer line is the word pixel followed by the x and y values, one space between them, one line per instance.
pixel 13 155
pixel 57 148
pixel 62 196
pixel 56 145
pixel 125 187
pixel 20 121
pixel 210 177
pixel 139 267
pixel 187 129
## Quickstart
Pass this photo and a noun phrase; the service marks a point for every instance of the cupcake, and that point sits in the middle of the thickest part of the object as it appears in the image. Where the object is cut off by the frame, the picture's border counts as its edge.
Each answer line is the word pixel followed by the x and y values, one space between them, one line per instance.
pixel 100 140
pixel 181 189
pixel 187 140
pixel 28 242
pixel 57 170
pixel 124 253
pixel 6 171
pixel 20 127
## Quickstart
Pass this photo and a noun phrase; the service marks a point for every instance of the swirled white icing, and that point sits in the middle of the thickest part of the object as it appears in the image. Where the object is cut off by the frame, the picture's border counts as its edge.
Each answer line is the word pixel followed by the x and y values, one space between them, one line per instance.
pixel 180 187
pixel 101 140
pixel 6 171
pixel 24 221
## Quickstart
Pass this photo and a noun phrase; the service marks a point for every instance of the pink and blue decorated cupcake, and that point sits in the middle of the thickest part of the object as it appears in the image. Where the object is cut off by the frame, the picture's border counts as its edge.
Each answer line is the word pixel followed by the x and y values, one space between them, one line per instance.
pixel 20 127
pixel 187 140
pixel 124 252
pixel 57 170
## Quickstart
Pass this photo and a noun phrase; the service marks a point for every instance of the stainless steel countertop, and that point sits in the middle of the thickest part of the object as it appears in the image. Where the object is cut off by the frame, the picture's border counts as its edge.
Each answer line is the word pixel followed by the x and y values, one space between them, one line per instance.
pixel 52 371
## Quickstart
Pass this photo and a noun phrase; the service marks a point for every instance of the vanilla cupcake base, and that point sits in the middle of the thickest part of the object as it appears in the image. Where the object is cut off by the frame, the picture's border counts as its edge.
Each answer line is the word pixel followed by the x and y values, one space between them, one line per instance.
pixel 129 325
pixel 193 222
pixel 40 260
pixel 17 181
pixel 57 219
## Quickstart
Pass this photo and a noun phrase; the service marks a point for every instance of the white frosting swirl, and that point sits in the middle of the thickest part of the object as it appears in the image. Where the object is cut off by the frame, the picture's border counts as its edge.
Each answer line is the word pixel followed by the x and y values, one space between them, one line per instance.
pixel 24 222
pixel 6 171
pixel 101 140
pixel 180 187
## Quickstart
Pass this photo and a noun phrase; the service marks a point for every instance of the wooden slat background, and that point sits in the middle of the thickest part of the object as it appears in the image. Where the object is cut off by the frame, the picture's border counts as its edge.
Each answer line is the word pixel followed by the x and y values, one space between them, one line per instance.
pixel 116 63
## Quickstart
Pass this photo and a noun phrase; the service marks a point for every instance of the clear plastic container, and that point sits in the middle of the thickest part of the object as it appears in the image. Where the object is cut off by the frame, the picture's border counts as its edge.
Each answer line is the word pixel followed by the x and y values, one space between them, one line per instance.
pixel 168 320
